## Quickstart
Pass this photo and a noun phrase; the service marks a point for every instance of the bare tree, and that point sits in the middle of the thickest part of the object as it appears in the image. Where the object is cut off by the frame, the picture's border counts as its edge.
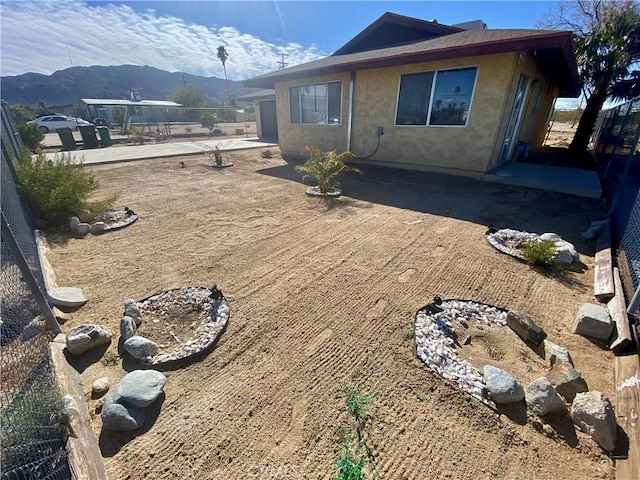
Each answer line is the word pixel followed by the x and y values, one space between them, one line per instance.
pixel 223 56
pixel 607 45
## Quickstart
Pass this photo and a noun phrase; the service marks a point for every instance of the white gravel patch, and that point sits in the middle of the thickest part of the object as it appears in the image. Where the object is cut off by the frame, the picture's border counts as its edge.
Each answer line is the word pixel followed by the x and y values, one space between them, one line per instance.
pixel 435 344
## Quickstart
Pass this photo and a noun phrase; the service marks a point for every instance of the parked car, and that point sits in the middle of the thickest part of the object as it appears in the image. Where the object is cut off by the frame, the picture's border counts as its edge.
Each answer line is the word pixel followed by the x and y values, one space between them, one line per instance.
pixel 51 123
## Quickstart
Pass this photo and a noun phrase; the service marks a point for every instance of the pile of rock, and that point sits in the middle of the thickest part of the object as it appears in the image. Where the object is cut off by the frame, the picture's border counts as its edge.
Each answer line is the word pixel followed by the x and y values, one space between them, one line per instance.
pixel 508 241
pixel 213 314
pixel 549 394
pixel 86 222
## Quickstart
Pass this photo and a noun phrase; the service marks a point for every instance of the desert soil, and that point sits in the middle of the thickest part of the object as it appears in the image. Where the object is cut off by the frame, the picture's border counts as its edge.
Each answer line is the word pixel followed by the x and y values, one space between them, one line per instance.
pixel 322 297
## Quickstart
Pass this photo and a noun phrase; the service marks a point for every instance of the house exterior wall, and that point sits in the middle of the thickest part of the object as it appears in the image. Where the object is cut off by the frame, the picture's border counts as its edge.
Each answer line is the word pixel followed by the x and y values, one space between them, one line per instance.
pixel 467 150
pixel 294 137
pixel 463 150
pixel 536 111
pixel 256 105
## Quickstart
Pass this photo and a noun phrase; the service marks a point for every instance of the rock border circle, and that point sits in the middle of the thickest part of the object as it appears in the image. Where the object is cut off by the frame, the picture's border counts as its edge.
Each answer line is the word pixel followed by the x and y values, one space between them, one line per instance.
pixel 434 336
pixel 213 315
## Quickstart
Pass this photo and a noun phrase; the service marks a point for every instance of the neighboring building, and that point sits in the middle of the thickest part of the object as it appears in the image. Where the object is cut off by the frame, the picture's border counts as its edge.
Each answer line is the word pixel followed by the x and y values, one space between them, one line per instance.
pixel 446 99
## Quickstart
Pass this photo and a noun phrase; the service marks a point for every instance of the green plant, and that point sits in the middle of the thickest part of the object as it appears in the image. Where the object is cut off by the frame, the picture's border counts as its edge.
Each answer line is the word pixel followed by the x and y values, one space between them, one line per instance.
pixel 110 359
pixel 58 189
pixel 188 129
pixel 409 335
pixel 350 465
pixel 324 167
pixel 539 252
pixel 358 403
pixel 31 136
pixel 216 154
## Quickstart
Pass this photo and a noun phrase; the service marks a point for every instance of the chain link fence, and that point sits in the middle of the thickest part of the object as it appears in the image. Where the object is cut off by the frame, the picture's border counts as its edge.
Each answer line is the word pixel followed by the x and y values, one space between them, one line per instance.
pixel 32 425
pixel 616 148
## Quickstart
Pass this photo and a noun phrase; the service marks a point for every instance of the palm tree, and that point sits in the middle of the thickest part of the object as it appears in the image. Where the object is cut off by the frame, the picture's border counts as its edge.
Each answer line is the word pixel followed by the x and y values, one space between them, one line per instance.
pixel 607 45
pixel 223 56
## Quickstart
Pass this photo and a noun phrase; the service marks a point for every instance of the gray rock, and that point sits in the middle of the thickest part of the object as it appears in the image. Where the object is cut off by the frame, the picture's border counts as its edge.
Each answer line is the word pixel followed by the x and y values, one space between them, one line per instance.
pixel 525 328
pixel 127 328
pixel 139 388
pixel 86 216
pixel 100 386
pixel 131 310
pixel 555 353
pixel 85 337
pixel 567 253
pixel 139 347
pixel 542 398
pixel 124 407
pixel 503 387
pixel 593 321
pixel 83 229
pixel 73 223
pixel 554 237
pixel 98 228
pixel 566 380
pixel 593 413
pixel 70 297
pixel 120 418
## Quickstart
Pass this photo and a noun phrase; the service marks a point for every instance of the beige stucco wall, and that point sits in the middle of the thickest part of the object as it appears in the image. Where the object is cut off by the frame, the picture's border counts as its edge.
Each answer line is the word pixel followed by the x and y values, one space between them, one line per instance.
pixel 466 150
pixel 294 137
pixel 533 122
pixel 470 150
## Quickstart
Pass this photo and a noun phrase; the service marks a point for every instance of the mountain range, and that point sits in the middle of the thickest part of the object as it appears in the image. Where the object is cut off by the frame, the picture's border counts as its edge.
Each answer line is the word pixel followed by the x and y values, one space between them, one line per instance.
pixel 68 86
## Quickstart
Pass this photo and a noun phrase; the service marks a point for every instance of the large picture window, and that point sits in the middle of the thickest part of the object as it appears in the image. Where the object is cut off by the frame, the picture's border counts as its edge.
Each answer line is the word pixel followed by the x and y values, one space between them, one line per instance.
pixel 436 98
pixel 316 104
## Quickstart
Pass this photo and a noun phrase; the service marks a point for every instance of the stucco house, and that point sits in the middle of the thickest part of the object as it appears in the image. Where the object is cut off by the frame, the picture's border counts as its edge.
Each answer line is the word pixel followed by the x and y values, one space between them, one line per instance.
pixel 416 94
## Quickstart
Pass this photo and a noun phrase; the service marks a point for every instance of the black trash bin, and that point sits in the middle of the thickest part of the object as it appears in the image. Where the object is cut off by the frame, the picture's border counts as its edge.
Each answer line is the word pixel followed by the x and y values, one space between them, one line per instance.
pixel 66 137
pixel 105 138
pixel 89 138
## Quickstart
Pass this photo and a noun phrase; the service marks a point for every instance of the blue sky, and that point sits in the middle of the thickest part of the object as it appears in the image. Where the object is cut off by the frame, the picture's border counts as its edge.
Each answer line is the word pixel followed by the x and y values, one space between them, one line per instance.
pixel 48 35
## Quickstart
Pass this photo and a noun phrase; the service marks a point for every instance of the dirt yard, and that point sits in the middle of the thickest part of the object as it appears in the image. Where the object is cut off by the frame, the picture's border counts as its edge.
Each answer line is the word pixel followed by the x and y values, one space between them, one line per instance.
pixel 322 297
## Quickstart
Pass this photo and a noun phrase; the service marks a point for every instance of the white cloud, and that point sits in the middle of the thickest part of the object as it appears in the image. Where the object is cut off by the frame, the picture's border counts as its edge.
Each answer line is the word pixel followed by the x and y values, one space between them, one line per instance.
pixel 36 36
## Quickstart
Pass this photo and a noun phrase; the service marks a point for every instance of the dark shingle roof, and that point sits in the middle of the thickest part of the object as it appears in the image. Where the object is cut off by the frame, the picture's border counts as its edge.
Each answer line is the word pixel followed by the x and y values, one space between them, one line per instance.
pixel 552 49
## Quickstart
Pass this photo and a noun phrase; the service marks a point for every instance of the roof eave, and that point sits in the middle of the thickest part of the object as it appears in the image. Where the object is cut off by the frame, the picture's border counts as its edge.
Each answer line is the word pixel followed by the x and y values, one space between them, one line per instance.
pixel 562 40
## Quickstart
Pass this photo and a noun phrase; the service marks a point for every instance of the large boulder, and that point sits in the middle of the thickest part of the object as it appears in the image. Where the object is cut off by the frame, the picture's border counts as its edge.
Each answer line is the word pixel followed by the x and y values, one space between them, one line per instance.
pixel 593 413
pixel 566 380
pixel 525 328
pixel 124 407
pixel 140 348
pixel 85 337
pixel 593 321
pixel 542 398
pixel 502 387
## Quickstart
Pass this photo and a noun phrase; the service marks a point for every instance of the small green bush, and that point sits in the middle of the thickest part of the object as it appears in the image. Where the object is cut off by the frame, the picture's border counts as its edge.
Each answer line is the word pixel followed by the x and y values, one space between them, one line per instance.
pixel 31 136
pixel 324 167
pixel 136 135
pixel 349 466
pixel 539 252
pixel 58 189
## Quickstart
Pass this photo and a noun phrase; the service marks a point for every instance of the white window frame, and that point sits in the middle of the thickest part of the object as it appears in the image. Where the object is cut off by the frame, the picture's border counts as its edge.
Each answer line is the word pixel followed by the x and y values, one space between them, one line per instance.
pixel 433 87
pixel 300 87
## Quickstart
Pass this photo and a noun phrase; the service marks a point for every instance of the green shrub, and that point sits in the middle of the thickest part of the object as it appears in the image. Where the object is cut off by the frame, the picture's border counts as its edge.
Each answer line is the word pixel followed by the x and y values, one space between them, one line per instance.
pixel 58 189
pixel 349 465
pixel 31 136
pixel 539 252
